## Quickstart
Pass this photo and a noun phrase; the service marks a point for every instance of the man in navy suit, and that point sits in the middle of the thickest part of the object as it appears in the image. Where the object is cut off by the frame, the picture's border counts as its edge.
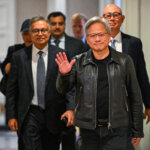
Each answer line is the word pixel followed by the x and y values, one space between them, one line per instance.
pixel 133 47
pixel 35 109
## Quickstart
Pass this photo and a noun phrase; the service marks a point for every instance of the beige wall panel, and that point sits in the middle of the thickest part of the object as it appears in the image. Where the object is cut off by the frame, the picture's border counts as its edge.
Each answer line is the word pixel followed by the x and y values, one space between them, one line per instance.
pixel 28 9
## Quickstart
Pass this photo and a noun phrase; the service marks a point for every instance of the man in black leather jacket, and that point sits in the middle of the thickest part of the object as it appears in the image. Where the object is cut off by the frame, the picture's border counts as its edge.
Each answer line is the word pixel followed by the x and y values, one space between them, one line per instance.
pixel 108 98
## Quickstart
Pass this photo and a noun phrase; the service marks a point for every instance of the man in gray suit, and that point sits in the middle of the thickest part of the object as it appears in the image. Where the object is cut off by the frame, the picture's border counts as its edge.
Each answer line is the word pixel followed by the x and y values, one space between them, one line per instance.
pixel 33 106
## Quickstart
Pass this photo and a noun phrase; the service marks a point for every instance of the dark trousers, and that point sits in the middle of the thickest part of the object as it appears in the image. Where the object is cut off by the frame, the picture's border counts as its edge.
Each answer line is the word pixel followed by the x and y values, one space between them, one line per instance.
pixel 68 138
pixel 103 139
pixel 34 133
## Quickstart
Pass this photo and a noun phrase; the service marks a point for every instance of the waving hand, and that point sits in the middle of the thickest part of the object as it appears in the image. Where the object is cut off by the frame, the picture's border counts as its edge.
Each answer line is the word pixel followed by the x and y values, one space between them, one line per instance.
pixel 63 63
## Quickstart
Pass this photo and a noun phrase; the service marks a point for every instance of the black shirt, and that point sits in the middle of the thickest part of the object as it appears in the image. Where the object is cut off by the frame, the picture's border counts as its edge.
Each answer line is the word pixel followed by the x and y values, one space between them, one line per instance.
pixel 102 88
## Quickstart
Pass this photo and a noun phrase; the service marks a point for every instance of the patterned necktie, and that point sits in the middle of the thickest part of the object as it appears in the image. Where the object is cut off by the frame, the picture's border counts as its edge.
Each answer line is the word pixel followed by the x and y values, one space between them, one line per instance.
pixel 113 43
pixel 57 42
pixel 41 80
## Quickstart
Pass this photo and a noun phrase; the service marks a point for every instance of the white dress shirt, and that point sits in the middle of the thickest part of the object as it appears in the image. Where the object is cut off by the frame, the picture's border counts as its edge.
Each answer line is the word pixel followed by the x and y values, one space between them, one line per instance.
pixel 118 42
pixel 62 42
pixel 35 57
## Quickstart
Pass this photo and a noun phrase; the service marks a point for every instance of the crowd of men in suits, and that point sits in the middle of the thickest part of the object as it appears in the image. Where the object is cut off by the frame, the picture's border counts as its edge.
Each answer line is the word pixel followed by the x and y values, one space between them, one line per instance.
pixel 42 117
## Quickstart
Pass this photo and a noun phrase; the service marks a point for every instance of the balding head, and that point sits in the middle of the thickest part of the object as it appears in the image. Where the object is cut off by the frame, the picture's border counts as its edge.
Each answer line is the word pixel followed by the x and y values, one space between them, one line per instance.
pixel 114 16
pixel 112 8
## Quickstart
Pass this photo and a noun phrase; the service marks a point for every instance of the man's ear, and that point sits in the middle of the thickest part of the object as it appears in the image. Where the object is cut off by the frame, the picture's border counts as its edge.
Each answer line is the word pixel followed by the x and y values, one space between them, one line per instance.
pixel 123 17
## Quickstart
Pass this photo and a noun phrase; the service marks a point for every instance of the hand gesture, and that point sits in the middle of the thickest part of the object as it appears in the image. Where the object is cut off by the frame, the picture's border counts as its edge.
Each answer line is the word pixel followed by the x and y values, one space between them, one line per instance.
pixel 63 63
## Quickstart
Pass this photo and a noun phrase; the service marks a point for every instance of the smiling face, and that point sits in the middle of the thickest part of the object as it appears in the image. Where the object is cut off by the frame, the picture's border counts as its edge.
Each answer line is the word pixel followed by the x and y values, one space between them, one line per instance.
pixel 97 37
pixel 114 16
pixel 40 33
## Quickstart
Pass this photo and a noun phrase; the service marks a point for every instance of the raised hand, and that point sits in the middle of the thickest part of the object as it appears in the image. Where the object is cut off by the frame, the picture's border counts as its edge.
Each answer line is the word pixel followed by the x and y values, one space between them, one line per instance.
pixel 63 63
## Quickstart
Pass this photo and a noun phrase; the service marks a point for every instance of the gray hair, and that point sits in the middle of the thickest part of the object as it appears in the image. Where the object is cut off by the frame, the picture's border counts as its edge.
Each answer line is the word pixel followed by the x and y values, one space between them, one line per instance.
pixel 97 19
pixel 39 18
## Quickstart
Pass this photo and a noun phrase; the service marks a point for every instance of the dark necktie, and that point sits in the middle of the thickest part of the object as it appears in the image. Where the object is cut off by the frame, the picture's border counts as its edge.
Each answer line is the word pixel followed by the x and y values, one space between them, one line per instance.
pixel 57 42
pixel 41 80
pixel 113 43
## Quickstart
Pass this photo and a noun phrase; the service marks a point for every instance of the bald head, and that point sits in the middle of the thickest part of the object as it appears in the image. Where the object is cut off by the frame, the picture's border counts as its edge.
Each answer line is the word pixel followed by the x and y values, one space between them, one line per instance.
pixel 113 14
pixel 112 8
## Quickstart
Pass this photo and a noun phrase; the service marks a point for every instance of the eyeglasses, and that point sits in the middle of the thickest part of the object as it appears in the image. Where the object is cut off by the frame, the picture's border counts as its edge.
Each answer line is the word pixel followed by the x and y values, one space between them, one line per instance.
pixel 100 35
pixel 115 15
pixel 36 31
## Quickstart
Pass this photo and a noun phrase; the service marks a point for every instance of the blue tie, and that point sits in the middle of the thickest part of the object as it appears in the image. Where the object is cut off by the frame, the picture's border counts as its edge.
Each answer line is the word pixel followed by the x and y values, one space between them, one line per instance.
pixel 113 43
pixel 41 80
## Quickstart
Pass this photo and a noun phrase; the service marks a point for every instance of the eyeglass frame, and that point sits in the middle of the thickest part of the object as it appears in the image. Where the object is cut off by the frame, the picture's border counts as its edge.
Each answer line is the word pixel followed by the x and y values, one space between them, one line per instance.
pixel 94 35
pixel 115 15
pixel 36 31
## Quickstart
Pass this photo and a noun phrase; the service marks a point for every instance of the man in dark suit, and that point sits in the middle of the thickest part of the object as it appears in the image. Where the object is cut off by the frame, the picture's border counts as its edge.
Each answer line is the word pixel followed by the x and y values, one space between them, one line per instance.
pixel 57 25
pixel 6 64
pixel 33 106
pixel 132 46
pixel 73 47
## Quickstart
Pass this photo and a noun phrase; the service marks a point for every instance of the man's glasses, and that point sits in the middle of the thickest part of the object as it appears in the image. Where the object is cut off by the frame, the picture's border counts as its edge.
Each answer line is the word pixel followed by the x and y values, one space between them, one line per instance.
pixel 36 31
pixel 100 35
pixel 115 15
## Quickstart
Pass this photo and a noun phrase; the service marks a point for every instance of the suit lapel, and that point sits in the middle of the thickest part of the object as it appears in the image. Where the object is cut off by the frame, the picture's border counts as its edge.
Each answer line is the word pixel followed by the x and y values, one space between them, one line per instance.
pixel 28 65
pixel 124 43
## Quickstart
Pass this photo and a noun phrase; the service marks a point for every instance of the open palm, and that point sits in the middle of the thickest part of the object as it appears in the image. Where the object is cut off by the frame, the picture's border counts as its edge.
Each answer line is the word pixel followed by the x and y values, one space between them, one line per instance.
pixel 63 63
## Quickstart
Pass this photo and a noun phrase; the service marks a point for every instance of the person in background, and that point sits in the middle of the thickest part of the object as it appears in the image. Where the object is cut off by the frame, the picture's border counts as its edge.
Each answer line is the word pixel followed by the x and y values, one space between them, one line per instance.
pixel 6 64
pixel 78 21
pixel 34 108
pixel 131 46
pixel 59 38
pixel 108 99
pixel 73 47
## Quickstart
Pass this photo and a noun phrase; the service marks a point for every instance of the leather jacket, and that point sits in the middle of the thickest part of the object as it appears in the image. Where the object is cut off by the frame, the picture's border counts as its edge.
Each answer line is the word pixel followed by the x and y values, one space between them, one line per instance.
pixel 125 100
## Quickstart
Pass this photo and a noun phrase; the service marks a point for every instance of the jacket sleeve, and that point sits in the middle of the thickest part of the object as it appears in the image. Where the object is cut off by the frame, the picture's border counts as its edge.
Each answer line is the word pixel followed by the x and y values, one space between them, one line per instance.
pixel 142 75
pixel 70 97
pixel 7 59
pixel 135 98
pixel 11 92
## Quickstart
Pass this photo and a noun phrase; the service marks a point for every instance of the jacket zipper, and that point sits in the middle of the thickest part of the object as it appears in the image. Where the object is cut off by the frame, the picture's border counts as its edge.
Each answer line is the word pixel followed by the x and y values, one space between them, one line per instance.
pixel 125 100
pixel 109 123
pixel 96 94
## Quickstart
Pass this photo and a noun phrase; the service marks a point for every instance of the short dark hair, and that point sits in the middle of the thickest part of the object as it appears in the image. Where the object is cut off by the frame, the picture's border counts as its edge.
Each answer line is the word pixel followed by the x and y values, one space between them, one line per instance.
pixel 56 14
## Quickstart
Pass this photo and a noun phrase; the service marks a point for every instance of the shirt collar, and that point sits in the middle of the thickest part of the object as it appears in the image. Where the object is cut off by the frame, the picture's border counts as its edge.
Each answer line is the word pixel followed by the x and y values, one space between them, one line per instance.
pixel 36 50
pixel 117 37
pixel 84 38
pixel 62 39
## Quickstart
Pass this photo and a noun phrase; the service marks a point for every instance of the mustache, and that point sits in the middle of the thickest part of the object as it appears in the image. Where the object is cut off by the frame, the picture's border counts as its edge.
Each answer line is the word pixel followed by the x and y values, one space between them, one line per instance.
pixel 58 30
